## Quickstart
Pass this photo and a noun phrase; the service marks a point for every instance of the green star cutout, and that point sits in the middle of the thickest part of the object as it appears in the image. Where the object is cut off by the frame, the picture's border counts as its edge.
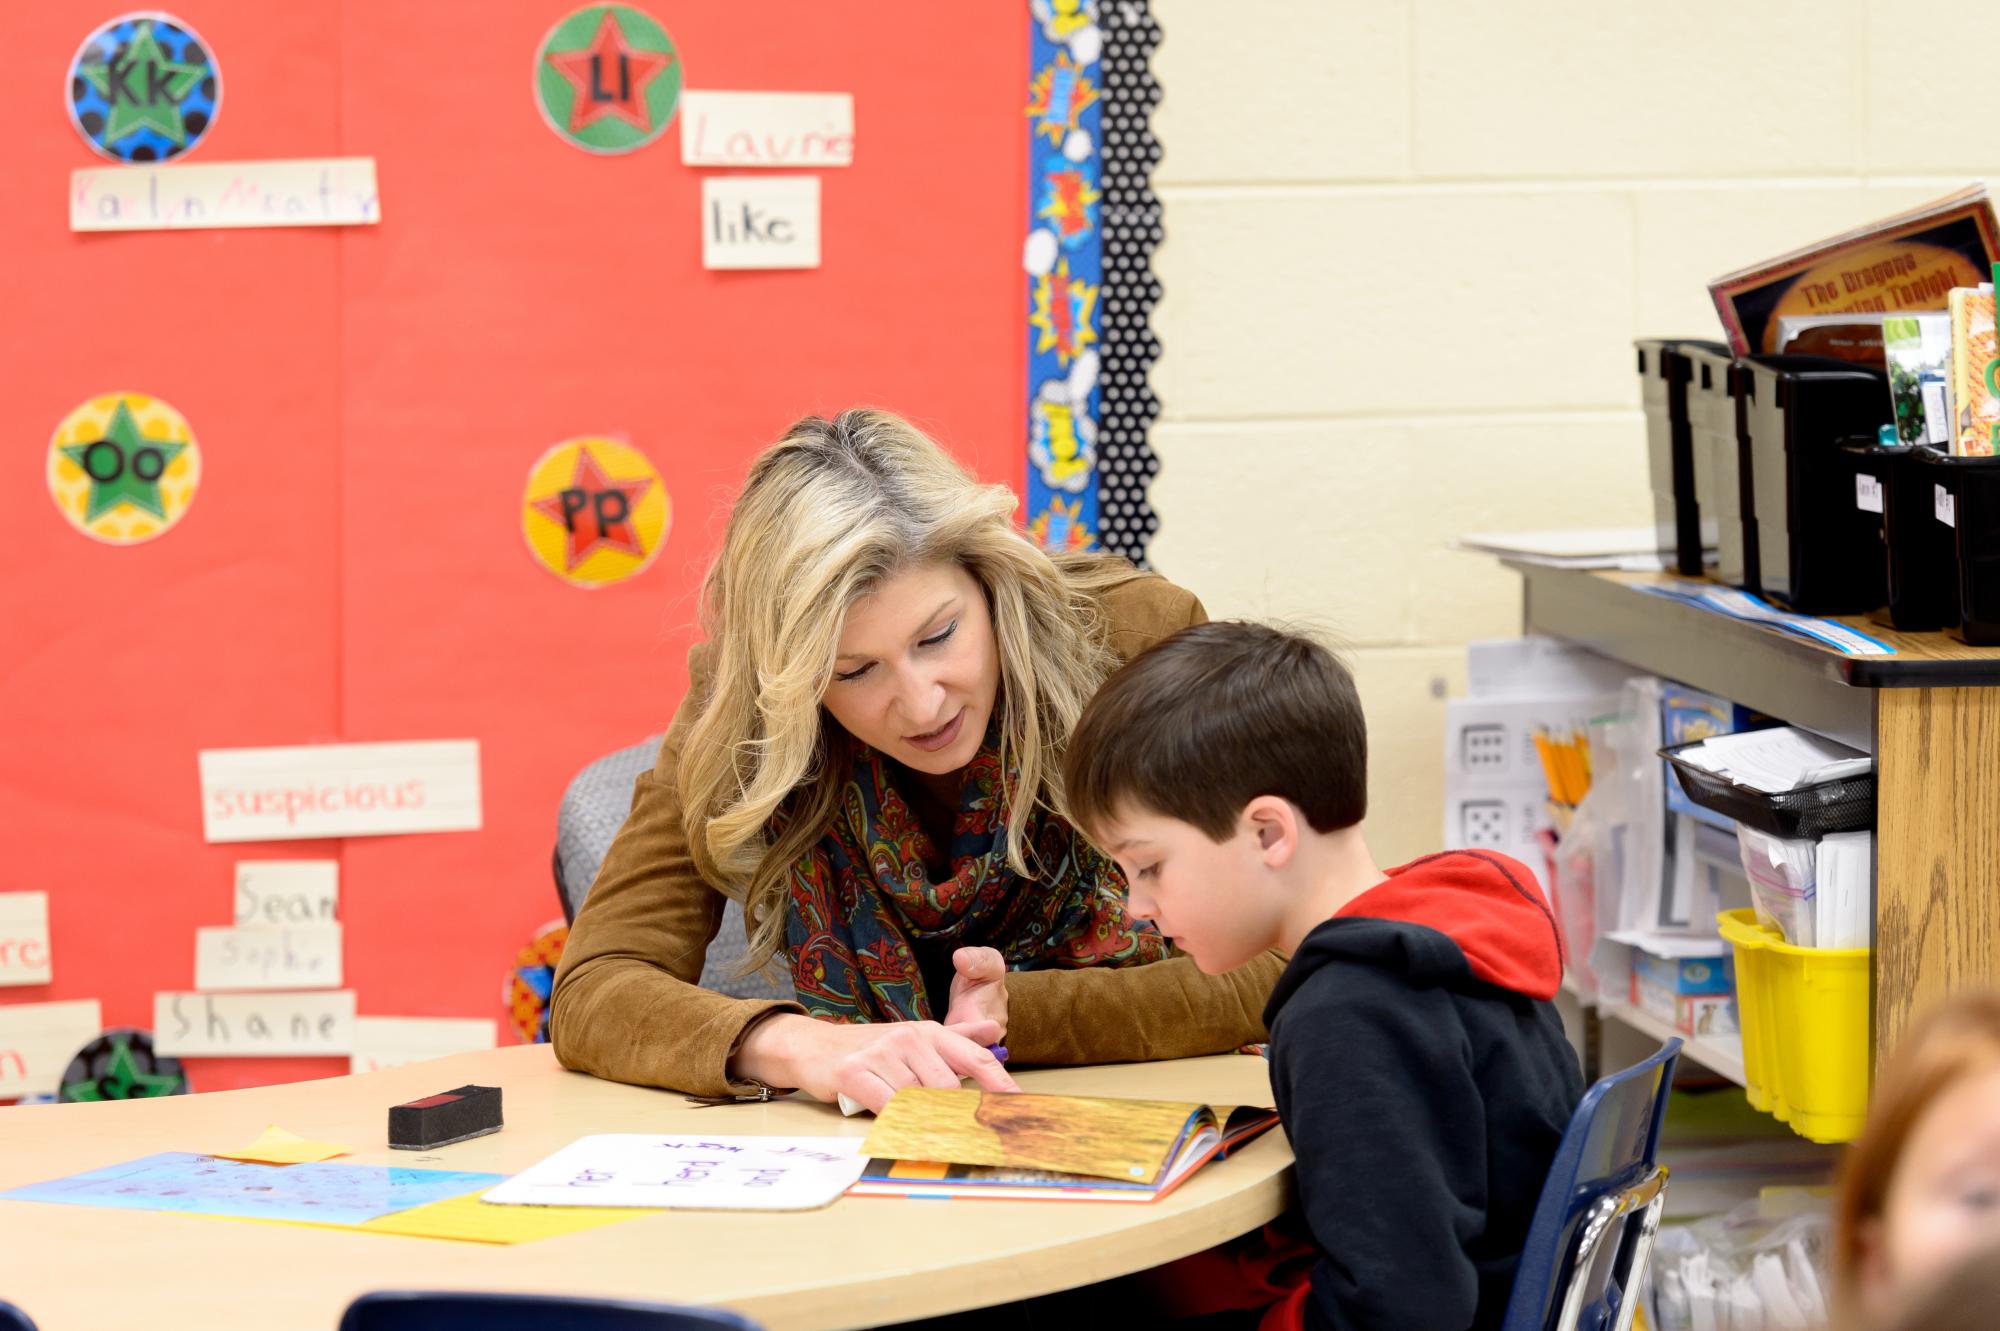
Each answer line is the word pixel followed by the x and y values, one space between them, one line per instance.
pixel 144 88
pixel 122 1080
pixel 129 483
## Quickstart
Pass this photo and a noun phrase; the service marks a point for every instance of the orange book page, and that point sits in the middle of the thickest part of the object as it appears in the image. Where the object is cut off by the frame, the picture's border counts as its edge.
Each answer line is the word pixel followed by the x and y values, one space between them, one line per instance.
pixel 1129 1140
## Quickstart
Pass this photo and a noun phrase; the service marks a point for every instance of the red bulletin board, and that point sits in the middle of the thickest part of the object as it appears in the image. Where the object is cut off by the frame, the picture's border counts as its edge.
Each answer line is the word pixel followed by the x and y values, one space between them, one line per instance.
pixel 368 402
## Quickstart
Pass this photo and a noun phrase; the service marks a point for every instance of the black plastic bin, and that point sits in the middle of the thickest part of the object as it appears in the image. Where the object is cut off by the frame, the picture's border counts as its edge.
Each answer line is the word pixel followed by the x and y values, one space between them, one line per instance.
pixel 1797 412
pixel 1862 469
pixel 1975 521
pixel 1663 389
pixel 1737 553
pixel 1844 804
pixel 1923 552
pixel 1712 440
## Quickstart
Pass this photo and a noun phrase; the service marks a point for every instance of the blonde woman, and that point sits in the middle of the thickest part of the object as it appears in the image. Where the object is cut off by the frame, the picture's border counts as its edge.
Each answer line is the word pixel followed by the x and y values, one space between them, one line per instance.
pixel 869 758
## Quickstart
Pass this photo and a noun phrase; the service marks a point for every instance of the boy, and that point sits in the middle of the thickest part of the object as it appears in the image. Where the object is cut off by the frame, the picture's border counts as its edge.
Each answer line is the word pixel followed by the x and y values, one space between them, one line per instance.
pixel 1418 1065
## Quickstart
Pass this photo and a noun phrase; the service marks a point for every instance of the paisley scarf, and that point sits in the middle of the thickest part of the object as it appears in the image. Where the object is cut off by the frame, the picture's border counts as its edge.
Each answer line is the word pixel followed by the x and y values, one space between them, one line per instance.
pixel 864 909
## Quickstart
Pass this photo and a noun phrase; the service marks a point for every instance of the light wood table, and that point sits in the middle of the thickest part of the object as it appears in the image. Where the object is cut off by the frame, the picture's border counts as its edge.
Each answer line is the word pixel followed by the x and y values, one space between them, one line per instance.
pixel 862 1262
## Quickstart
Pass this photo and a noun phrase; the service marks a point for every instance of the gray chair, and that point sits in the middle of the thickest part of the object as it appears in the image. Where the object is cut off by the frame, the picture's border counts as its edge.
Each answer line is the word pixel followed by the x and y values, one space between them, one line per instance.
pixel 593 809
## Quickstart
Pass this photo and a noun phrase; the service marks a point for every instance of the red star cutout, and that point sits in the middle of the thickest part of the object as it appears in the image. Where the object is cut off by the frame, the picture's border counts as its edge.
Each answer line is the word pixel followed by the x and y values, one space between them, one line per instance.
pixel 610 78
pixel 583 520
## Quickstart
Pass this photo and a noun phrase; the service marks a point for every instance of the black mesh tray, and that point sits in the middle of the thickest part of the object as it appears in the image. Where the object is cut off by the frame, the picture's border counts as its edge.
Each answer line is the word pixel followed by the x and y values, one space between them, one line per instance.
pixel 1845 804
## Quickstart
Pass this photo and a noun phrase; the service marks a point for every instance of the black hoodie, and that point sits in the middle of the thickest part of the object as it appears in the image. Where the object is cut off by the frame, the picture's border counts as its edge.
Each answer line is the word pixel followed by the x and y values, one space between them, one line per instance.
pixel 1425 1081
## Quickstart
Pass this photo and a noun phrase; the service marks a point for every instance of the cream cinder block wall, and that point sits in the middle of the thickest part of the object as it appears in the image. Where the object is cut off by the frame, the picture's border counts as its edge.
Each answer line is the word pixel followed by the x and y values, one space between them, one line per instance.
pixel 1409 243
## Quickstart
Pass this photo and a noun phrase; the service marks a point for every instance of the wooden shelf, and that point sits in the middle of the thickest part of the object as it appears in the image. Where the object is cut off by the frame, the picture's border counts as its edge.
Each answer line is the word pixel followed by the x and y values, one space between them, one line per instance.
pixel 1800 681
pixel 1722 1055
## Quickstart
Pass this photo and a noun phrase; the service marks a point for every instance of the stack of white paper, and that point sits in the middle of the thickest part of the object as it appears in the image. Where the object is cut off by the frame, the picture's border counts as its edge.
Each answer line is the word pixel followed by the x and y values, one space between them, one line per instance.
pixel 1629 548
pixel 1776 760
pixel 1845 908
pixel 1784 883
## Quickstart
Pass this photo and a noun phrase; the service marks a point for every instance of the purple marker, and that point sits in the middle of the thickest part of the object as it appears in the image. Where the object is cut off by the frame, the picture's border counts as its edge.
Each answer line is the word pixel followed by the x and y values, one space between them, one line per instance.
pixel 998 1051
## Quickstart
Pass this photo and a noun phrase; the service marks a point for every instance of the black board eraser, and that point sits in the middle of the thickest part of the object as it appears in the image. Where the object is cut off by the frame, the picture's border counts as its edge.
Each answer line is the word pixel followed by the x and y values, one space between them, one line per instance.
pixel 444 1118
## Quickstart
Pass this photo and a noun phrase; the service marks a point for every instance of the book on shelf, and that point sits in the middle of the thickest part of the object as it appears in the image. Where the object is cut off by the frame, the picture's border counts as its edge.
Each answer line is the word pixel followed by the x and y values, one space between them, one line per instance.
pixel 1905 262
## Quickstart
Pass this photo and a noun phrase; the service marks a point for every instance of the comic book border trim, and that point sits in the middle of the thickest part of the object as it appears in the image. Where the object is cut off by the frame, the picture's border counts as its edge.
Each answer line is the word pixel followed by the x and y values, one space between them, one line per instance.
pixel 1119 251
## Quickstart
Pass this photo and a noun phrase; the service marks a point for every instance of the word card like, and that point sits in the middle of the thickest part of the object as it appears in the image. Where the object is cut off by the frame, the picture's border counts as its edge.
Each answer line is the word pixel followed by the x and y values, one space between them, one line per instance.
pixel 37 1041
pixel 336 790
pixel 25 957
pixel 691 1173
pixel 767 129
pixel 390 1042
pixel 760 222
pixel 254 1025
pixel 307 957
pixel 273 894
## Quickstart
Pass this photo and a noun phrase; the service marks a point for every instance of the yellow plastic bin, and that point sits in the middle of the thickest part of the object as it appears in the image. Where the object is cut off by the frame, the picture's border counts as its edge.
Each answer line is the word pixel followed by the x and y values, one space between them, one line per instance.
pixel 1804 1013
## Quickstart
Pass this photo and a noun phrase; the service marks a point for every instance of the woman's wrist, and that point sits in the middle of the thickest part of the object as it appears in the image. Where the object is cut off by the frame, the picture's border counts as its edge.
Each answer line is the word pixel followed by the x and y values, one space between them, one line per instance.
pixel 765 1054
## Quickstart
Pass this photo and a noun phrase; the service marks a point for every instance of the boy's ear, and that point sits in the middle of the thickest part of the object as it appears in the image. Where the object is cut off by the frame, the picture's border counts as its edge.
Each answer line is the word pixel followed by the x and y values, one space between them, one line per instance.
pixel 1275 825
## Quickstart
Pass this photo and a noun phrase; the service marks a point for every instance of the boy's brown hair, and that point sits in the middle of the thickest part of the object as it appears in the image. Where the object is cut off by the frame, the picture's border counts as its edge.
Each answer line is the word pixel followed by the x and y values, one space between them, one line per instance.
pixel 1205 721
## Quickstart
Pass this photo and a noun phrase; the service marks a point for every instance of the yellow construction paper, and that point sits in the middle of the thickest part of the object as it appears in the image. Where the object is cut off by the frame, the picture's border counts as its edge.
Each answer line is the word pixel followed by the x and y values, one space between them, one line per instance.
pixel 471 1220
pixel 279 1147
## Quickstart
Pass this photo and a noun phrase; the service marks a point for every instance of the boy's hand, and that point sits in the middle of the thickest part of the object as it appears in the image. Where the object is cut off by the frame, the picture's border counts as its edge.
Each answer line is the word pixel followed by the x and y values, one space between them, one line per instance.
pixel 979 990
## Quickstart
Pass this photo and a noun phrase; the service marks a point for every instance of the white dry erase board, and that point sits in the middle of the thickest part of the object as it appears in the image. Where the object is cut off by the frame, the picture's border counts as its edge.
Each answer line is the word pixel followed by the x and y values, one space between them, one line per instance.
pixel 691 1173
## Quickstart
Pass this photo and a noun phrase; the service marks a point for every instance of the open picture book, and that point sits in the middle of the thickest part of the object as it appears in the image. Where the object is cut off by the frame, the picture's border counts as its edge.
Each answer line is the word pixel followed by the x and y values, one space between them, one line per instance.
pixel 944 1143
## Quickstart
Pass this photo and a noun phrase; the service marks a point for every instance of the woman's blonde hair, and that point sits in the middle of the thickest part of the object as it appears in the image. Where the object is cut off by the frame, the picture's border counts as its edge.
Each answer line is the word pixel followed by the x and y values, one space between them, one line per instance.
pixel 829 512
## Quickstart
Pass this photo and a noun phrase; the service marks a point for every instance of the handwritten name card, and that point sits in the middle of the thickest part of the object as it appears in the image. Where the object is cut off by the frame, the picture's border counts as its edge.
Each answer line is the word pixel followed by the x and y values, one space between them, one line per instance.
pixel 760 222
pixel 390 1042
pixel 334 790
pixel 334 191
pixel 767 128
pixel 275 893
pixel 37 1041
pixel 24 938
pixel 307 957
pixel 253 1025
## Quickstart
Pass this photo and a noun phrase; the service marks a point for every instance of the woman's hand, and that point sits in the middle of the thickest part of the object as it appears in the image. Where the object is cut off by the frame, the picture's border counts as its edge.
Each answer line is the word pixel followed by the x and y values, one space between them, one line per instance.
pixel 979 990
pixel 869 1061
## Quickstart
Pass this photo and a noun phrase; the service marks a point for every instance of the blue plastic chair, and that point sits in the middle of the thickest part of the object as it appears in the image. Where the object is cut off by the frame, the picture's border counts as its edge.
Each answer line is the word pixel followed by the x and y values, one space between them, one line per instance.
pixel 1600 1208
pixel 13 1319
pixel 444 1310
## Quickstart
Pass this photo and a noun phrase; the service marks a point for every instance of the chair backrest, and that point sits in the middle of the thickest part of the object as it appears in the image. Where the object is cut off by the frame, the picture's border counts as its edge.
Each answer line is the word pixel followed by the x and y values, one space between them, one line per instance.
pixel 1593 1229
pixel 592 811
pixel 13 1319
pixel 445 1310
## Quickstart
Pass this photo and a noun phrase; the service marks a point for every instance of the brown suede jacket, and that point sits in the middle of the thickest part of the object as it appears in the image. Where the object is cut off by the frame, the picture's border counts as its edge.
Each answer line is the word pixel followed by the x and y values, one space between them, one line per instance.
pixel 626 1005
